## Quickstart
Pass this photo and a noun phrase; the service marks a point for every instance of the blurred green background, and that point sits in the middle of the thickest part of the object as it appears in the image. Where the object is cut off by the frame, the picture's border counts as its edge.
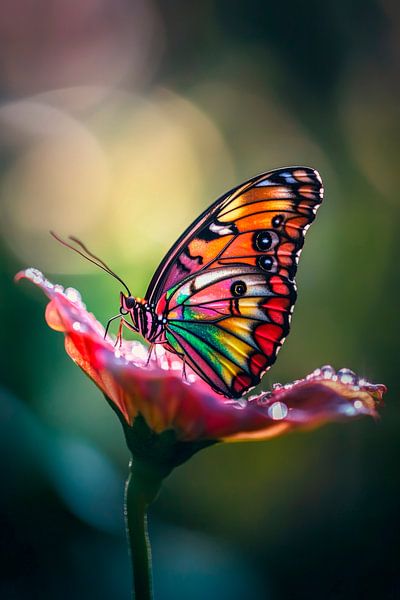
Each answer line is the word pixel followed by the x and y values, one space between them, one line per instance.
pixel 120 121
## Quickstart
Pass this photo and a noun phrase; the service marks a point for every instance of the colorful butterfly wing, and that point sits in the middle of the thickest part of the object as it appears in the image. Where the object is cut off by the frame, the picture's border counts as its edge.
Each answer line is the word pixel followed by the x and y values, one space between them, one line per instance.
pixel 227 288
pixel 229 323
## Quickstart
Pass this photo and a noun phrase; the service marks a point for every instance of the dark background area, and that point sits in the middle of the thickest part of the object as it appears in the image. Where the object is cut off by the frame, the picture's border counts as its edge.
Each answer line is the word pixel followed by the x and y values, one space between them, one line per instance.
pixel 120 120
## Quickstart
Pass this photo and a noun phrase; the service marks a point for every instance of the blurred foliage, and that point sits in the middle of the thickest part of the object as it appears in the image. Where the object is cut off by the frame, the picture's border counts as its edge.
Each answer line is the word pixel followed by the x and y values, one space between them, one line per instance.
pixel 121 120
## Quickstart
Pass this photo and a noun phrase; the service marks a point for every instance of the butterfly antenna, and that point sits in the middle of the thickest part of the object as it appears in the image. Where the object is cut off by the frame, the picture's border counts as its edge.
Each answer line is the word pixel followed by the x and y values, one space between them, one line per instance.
pixel 90 257
pixel 89 253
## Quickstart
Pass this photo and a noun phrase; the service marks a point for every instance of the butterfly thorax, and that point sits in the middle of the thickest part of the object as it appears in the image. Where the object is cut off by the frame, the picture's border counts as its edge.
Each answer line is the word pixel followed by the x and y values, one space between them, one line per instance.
pixel 144 318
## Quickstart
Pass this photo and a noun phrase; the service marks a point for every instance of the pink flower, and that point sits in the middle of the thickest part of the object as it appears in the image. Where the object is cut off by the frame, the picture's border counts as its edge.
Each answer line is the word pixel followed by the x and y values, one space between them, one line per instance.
pixel 157 390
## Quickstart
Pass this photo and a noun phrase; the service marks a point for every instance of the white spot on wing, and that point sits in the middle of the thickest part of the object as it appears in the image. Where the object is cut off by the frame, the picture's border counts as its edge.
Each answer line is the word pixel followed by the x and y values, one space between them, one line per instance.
pixel 288 177
pixel 220 229
pixel 264 183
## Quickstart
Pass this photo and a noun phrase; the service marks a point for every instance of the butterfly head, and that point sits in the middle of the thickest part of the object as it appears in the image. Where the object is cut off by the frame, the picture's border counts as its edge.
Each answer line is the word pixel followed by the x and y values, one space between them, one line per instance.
pixel 128 304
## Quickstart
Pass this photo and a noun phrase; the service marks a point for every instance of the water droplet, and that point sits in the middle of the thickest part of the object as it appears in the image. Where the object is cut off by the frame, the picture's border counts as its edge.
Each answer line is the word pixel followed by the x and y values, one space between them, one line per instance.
pixel 314 374
pixel 278 411
pixel 34 275
pixel 263 399
pixel 240 403
pixel 73 295
pixel 77 326
pixel 347 376
pixel 277 386
pixel 117 354
pixel 59 288
pixel 347 409
pixel 139 350
pixel 358 405
pixel 327 372
pixel 191 378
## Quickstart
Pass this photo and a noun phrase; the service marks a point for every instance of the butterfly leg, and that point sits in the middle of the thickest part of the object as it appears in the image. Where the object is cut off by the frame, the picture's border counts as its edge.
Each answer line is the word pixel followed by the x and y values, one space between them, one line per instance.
pixel 128 325
pixel 151 348
pixel 118 341
pixel 184 374
pixel 109 323
pixel 121 324
pixel 119 334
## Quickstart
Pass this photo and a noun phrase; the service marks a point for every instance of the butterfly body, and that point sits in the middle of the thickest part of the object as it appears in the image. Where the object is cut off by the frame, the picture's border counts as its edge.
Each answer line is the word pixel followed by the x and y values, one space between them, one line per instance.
pixel 222 297
pixel 144 319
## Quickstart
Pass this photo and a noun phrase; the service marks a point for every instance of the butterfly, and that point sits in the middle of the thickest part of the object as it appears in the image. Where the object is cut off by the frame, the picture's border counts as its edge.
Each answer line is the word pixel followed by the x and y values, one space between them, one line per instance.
pixel 223 296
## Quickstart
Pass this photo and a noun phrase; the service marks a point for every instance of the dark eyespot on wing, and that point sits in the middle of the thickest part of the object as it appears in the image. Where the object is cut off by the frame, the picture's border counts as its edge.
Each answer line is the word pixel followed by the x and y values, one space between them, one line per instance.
pixel 238 288
pixel 277 221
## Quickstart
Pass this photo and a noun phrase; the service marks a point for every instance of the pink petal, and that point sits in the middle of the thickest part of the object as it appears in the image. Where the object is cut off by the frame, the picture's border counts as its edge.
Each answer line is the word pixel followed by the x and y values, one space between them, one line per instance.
pixel 197 413
pixel 84 337
pixel 158 391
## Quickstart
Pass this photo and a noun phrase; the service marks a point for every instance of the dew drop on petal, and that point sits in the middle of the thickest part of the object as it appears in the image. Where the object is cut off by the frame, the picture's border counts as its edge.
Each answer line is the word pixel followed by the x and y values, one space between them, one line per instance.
pixel 277 386
pixel 262 400
pixel 241 402
pixel 73 295
pixel 59 288
pixel 76 326
pixel 238 403
pixel 348 409
pixel 347 376
pixel 34 275
pixel 140 352
pixel 328 372
pixel 358 405
pixel 278 411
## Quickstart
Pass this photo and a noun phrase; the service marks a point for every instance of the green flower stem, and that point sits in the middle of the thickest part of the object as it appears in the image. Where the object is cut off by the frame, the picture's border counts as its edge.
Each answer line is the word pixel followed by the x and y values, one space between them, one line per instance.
pixel 142 487
pixel 155 455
